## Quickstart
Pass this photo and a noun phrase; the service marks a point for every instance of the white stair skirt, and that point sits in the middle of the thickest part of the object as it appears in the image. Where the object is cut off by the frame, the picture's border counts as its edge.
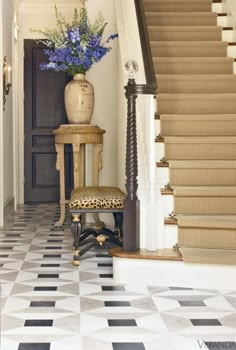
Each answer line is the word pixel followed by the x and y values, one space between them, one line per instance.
pixel 173 274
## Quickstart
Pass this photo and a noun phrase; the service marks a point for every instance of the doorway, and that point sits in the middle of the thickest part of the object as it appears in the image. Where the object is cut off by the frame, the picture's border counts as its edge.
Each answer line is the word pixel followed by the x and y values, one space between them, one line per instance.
pixel 43 112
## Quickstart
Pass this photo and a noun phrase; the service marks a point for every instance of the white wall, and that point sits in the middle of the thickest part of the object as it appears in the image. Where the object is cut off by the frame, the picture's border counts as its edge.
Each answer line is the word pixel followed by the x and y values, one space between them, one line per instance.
pixel 7 117
pixel 104 77
pixel 232 6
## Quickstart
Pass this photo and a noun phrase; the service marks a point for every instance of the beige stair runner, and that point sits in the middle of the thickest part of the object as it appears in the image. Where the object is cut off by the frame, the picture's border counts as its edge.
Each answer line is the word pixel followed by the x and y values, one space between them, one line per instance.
pixel 196 102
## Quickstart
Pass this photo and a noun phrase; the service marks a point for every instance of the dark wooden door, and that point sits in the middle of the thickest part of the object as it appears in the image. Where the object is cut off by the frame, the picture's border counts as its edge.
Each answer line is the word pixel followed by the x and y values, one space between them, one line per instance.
pixel 44 112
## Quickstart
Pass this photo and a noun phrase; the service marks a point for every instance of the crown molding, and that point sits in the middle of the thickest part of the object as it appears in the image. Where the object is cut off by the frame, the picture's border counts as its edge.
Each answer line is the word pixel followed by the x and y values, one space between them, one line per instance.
pixel 47 6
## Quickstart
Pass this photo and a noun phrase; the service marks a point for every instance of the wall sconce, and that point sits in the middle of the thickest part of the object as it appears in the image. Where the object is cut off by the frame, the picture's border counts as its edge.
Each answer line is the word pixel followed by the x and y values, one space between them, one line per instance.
pixel 6 81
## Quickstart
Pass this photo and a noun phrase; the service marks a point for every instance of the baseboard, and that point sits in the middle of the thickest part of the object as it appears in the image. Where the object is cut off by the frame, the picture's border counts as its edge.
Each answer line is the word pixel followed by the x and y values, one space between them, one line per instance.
pixel 8 210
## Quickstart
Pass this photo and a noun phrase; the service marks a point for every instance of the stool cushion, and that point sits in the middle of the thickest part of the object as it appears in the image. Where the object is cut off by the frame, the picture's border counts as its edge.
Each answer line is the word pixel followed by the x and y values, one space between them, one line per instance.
pixel 97 198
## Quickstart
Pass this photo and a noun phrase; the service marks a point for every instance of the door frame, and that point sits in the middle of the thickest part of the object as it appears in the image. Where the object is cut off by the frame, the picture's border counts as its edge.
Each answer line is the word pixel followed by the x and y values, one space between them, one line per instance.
pixel 1 122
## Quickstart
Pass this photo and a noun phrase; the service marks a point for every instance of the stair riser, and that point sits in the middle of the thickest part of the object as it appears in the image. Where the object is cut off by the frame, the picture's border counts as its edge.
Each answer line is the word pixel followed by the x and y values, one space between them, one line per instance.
pixel 170 236
pixel 196 106
pixel 202 177
pixel 207 238
pixel 188 20
pixel 205 205
pixel 185 36
pixel 200 151
pixel 178 7
pixel 193 68
pixel 198 128
pixel 196 86
pixel 189 51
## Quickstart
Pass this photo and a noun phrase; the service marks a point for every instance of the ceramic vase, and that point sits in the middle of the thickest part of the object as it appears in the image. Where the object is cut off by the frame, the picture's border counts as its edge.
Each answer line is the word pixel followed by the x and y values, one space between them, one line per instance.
pixel 79 100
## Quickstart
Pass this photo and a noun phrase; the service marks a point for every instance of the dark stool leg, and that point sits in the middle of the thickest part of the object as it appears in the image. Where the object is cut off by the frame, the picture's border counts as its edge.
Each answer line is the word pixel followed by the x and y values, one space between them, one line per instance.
pixel 76 231
pixel 118 218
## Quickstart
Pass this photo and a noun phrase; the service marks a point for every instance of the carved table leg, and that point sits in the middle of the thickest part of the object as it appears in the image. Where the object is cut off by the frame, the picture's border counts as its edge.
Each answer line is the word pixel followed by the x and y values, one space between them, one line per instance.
pixel 82 164
pixel 97 166
pixel 76 231
pixel 61 168
pixel 77 170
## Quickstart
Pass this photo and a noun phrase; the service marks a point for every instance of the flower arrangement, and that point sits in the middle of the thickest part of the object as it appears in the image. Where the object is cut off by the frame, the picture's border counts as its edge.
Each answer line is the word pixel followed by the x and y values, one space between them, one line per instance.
pixel 75 47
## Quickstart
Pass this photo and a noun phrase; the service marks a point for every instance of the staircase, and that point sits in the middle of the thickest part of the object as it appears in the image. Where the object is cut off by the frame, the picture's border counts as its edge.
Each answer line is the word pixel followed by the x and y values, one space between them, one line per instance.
pixel 196 106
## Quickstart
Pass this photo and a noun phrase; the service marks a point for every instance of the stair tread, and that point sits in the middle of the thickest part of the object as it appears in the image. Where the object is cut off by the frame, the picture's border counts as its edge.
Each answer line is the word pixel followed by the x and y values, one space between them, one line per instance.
pixel 178 1
pixel 204 191
pixel 203 164
pixel 208 256
pixel 185 28
pixel 181 14
pixel 189 43
pixel 207 221
pixel 192 59
pixel 201 139
pixel 189 117
pixel 196 77
pixel 206 96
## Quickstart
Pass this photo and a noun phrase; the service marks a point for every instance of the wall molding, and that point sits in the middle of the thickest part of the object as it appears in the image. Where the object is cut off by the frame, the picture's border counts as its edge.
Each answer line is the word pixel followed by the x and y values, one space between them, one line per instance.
pixel 8 209
pixel 47 6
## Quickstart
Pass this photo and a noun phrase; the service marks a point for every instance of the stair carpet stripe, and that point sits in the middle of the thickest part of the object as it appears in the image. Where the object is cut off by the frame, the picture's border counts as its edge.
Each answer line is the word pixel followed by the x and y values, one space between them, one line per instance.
pixel 196 106
pixel 192 65
pixel 198 125
pixel 196 83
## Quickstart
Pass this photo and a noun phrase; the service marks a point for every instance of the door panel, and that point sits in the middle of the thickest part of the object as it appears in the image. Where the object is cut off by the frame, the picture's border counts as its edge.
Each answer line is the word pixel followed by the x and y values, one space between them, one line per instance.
pixel 44 112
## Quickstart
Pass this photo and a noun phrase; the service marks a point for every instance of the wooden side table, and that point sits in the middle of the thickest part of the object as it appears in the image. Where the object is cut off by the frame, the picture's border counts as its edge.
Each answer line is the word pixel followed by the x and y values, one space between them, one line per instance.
pixel 78 136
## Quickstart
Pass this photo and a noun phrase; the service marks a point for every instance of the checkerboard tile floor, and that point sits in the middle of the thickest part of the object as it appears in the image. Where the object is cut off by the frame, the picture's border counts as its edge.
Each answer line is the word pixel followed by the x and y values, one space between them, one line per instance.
pixel 48 304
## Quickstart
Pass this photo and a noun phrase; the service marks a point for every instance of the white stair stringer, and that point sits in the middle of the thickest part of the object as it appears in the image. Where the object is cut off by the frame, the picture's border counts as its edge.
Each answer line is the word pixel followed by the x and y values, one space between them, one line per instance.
pixel 174 273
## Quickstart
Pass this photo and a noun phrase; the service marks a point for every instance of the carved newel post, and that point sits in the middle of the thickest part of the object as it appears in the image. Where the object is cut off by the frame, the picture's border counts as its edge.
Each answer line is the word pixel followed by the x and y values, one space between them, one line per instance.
pixel 131 206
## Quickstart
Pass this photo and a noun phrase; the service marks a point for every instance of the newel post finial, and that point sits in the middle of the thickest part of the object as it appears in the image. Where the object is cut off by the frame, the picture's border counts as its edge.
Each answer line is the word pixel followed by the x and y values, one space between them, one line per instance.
pixel 131 206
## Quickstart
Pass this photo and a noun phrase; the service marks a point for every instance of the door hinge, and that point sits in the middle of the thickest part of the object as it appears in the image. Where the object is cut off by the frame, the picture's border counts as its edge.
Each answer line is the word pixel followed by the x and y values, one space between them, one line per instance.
pixel 24 138
pixel 23 180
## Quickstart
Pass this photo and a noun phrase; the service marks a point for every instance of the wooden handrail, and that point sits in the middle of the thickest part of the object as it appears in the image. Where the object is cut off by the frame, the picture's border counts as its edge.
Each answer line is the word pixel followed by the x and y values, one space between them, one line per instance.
pixel 151 86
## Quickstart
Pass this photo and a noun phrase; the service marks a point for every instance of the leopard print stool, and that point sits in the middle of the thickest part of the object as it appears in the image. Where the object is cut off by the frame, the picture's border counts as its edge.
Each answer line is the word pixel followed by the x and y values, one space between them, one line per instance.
pixel 95 200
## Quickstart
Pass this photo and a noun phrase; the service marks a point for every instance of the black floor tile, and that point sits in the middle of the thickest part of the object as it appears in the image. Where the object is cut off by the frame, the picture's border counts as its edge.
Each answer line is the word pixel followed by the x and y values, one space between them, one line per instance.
pixel 13 235
pixel 38 323
pixel 191 303
pixel 48 275
pixel 128 346
pixel 45 289
pixel 34 346
pixel 113 288
pixel 50 265
pixel 52 256
pixel 180 288
pixel 4 255
pixel 221 345
pixel 54 240
pixel 42 304
pixel 103 256
pixel 106 275
pixel 53 248
pixel 6 248
pixel 122 323
pixel 116 303
pixel 9 241
pixel 56 235
pixel 16 230
pixel 105 265
pixel 205 322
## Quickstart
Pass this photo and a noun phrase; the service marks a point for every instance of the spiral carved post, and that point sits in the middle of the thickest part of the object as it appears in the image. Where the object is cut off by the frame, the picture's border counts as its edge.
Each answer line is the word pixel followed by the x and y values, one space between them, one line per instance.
pixel 131 206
